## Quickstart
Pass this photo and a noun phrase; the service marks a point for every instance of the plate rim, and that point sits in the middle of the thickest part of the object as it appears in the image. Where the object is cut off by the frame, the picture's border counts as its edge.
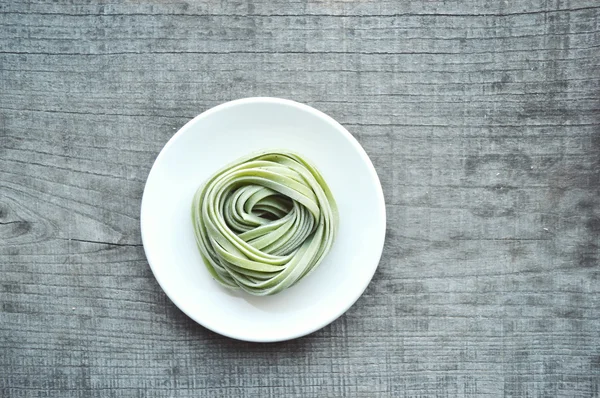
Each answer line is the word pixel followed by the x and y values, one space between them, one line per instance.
pixel 371 170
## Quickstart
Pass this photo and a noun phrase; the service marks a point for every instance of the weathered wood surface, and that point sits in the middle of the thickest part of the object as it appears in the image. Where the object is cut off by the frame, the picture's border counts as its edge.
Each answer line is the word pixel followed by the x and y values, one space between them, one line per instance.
pixel 482 118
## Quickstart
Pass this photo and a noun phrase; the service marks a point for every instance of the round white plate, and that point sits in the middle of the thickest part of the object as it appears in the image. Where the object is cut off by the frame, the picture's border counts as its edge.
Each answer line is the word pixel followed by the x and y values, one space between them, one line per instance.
pixel 220 136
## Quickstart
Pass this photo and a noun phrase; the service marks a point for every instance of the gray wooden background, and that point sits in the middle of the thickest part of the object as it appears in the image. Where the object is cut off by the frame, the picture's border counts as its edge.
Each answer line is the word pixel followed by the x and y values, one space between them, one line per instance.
pixel 482 118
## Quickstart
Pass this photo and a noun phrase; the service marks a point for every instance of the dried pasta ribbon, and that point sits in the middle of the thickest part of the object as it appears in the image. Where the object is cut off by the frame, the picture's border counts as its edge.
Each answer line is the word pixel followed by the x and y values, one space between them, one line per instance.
pixel 264 222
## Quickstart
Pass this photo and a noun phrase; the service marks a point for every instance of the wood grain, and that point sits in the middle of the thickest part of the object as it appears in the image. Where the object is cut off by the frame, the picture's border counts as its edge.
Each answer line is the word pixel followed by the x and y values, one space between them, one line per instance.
pixel 482 118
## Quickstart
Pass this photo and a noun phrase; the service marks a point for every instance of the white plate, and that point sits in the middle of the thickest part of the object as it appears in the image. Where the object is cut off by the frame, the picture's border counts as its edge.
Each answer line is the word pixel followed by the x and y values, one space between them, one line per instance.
pixel 220 136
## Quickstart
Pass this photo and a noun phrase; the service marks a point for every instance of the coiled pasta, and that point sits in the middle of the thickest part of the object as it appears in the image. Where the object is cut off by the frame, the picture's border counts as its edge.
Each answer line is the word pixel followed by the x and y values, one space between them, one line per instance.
pixel 264 222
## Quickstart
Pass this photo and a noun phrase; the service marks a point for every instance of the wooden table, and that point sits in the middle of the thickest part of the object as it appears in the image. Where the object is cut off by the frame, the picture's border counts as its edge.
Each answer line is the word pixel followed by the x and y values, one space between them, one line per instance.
pixel 482 118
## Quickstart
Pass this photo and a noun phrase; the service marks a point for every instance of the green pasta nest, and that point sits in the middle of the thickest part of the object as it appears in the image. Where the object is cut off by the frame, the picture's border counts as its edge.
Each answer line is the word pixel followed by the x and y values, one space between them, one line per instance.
pixel 264 222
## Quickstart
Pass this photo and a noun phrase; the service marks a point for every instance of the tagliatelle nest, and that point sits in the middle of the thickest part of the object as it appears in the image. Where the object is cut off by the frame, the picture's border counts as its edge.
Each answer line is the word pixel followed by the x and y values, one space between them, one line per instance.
pixel 264 222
